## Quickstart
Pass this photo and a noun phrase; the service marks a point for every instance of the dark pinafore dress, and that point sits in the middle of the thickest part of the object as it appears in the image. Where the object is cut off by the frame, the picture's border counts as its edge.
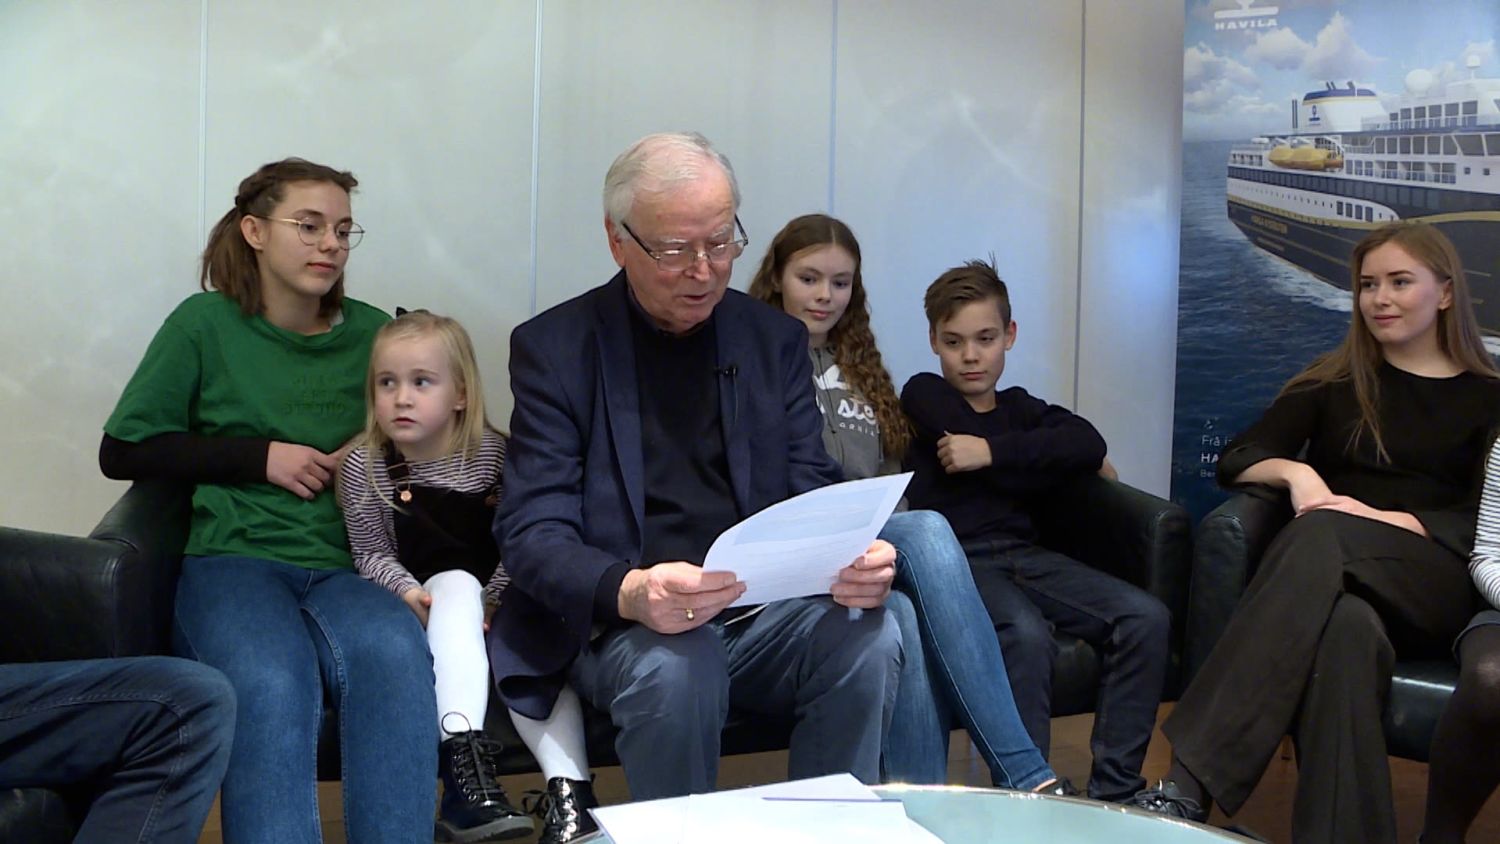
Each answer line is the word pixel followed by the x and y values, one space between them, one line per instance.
pixel 439 529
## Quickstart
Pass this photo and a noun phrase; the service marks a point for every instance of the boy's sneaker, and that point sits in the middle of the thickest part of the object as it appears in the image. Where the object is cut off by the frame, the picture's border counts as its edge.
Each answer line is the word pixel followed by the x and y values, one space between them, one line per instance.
pixel 1060 787
pixel 563 808
pixel 474 807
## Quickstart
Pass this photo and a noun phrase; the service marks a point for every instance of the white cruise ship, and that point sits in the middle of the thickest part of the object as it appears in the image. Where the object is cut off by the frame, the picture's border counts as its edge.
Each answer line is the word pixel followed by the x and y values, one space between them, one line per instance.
pixel 1352 162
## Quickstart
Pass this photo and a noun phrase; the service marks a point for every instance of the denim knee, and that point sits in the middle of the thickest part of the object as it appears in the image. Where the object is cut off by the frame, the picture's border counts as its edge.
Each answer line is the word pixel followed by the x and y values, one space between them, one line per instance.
pixel 397 649
pixel 685 676
pixel 1027 640
pixel 203 693
pixel 923 533
pixel 874 644
pixel 1145 621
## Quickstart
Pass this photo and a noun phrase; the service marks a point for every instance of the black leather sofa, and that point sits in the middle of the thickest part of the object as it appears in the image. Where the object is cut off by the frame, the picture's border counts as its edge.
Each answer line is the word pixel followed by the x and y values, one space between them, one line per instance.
pixel 111 595
pixel 66 597
pixel 1227 548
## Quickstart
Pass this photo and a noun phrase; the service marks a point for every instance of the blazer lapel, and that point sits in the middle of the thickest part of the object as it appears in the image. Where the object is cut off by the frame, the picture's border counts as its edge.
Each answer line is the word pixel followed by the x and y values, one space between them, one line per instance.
pixel 732 405
pixel 622 398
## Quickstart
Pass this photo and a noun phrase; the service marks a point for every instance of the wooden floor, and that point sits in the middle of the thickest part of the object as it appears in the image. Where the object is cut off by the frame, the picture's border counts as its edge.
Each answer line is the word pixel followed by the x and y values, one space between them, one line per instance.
pixel 1267 813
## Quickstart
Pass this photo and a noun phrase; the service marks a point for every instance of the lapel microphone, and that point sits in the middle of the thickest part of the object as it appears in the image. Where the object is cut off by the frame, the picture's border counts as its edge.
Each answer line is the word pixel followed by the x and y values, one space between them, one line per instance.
pixel 729 372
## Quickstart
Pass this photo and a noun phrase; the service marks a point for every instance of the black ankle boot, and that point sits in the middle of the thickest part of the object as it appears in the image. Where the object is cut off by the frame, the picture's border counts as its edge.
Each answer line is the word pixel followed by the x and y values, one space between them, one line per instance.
pixel 563 809
pixel 1168 799
pixel 474 807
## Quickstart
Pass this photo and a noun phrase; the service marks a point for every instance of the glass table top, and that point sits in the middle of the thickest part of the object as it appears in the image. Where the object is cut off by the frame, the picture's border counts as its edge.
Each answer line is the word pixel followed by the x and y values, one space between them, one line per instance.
pixel 978 815
pixel 957 814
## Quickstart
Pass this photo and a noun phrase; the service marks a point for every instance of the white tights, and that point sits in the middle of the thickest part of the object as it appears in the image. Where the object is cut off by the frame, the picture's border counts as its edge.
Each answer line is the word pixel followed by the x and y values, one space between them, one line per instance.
pixel 455 635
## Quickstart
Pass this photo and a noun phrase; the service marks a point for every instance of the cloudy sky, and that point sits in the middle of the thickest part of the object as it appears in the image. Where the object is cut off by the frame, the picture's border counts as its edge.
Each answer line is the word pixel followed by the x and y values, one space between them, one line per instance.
pixel 1241 83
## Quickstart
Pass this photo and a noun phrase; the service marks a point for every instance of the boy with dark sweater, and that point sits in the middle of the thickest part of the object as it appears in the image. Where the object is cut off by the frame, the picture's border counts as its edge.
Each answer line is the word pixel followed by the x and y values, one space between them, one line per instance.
pixel 980 456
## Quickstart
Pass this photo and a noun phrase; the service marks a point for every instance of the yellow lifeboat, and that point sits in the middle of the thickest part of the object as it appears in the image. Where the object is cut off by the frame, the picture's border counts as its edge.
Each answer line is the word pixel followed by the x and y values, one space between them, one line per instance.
pixel 1305 158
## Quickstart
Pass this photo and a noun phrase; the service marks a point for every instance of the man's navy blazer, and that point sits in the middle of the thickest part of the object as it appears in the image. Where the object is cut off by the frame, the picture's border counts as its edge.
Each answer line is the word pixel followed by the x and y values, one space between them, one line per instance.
pixel 574 492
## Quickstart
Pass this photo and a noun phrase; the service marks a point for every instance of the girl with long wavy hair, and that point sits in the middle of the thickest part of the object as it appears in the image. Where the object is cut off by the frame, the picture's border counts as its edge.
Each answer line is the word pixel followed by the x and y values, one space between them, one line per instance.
pixel 812 272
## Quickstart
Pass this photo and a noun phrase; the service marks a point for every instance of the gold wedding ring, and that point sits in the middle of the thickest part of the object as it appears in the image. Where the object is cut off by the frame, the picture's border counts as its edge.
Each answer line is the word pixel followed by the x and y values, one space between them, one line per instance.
pixel 689 613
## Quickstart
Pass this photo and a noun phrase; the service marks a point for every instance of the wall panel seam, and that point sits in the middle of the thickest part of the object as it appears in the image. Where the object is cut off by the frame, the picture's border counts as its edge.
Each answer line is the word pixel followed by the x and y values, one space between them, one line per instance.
pixel 203 120
pixel 536 154
pixel 1083 81
pixel 833 103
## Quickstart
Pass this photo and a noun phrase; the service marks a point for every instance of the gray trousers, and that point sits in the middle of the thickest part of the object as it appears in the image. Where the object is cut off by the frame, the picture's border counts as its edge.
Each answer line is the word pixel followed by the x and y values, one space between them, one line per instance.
pixel 833 669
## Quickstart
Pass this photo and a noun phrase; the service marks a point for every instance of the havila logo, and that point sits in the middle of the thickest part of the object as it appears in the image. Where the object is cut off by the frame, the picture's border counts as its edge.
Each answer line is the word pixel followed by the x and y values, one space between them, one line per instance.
pixel 1245 17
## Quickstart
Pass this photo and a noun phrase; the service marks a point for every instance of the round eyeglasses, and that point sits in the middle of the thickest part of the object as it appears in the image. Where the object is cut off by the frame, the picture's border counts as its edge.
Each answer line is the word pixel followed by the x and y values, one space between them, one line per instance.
pixel 311 232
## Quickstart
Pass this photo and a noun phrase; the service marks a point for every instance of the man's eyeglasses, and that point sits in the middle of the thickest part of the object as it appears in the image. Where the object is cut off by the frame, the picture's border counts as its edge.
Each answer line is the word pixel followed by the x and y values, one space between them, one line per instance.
pixel 680 260
pixel 311 232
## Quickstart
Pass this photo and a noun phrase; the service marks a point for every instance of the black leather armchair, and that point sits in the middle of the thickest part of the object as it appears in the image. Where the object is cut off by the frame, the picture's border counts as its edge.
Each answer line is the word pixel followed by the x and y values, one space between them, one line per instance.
pixel 1228 547
pixel 67 597
pixel 1133 535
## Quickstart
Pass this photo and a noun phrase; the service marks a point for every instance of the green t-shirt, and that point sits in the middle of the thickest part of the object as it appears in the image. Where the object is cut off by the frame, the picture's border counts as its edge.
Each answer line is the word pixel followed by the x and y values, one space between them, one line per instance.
pixel 213 371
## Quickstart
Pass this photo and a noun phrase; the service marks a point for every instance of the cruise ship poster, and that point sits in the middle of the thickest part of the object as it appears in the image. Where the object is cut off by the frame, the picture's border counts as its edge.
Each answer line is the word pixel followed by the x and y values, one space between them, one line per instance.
pixel 1306 123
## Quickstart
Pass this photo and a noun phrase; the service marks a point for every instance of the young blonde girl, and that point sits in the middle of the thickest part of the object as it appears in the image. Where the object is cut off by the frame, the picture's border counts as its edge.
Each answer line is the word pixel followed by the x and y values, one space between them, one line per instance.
pixel 419 491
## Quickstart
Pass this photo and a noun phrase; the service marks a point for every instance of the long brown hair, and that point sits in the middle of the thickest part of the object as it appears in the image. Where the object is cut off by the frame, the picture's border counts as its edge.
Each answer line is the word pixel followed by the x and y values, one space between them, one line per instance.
pixel 852 340
pixel 1357 359
pixel 229 264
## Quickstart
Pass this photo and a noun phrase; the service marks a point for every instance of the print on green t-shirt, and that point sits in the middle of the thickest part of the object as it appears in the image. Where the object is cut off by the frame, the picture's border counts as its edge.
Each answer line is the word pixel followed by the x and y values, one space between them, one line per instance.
pixel 211 370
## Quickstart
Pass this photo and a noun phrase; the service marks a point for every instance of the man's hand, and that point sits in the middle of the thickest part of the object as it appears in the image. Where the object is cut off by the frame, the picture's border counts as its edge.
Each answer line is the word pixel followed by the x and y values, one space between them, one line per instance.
pixel 420 601
pixel 963 453
pixel 663 596
pixel 866 582
pixel 300 469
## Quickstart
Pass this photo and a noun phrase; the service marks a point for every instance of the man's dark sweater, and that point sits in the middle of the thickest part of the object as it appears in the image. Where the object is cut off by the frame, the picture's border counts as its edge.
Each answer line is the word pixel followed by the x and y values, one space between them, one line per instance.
pixel 1034 446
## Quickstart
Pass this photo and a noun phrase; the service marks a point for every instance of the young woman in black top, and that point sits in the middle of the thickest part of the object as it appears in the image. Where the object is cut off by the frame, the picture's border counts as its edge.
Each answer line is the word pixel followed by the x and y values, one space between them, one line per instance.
pixel 1395 424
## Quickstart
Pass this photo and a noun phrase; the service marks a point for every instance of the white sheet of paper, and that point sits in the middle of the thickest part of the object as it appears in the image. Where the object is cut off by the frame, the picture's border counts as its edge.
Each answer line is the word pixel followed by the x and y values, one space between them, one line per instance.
pixel 659 821
pixel 797 546
pixel 732 818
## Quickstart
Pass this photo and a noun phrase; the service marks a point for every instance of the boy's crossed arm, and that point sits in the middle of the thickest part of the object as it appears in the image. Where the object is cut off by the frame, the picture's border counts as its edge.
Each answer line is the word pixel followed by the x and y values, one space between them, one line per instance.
pixel 1041 443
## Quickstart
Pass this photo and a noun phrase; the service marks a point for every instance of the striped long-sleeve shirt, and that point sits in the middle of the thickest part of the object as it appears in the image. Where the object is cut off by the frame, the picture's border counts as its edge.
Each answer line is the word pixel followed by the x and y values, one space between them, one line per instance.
pixel 1484 563
pixel 366 492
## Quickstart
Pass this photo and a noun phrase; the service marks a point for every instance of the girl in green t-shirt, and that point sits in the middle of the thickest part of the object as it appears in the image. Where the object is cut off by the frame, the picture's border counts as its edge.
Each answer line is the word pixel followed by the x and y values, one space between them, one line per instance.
pixel 247 393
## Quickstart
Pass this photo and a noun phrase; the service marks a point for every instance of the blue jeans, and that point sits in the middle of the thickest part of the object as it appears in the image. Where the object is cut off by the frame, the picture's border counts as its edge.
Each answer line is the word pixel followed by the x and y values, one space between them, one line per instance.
pixel 152 732
pixel 958 675
pixel 290 639
pixel 1029 592
pixel 832 668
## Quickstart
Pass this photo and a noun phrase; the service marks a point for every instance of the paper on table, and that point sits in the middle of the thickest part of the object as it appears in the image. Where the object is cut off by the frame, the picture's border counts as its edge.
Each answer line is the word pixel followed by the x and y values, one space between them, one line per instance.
pixel 797 546
pixel 657 821
pixel 732 818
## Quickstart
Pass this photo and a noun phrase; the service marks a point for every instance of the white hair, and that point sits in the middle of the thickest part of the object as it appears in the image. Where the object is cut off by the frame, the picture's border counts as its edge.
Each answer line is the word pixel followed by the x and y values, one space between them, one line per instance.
pixel 657 164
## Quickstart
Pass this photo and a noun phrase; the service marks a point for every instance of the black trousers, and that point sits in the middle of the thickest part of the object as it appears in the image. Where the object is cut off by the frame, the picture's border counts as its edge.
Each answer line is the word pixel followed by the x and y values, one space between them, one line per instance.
pixel 1309 651
pixel 1028 591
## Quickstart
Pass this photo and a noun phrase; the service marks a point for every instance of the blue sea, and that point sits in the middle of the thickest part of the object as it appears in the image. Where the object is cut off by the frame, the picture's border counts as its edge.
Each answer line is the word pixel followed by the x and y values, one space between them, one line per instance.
pixel 1246 323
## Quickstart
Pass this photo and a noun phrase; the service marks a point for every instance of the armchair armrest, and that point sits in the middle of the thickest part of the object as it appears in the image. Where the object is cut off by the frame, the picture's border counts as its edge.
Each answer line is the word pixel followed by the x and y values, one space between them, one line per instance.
pixel 1114 527
pixel 107 595
pixel 1228 548
pixel 1138 537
